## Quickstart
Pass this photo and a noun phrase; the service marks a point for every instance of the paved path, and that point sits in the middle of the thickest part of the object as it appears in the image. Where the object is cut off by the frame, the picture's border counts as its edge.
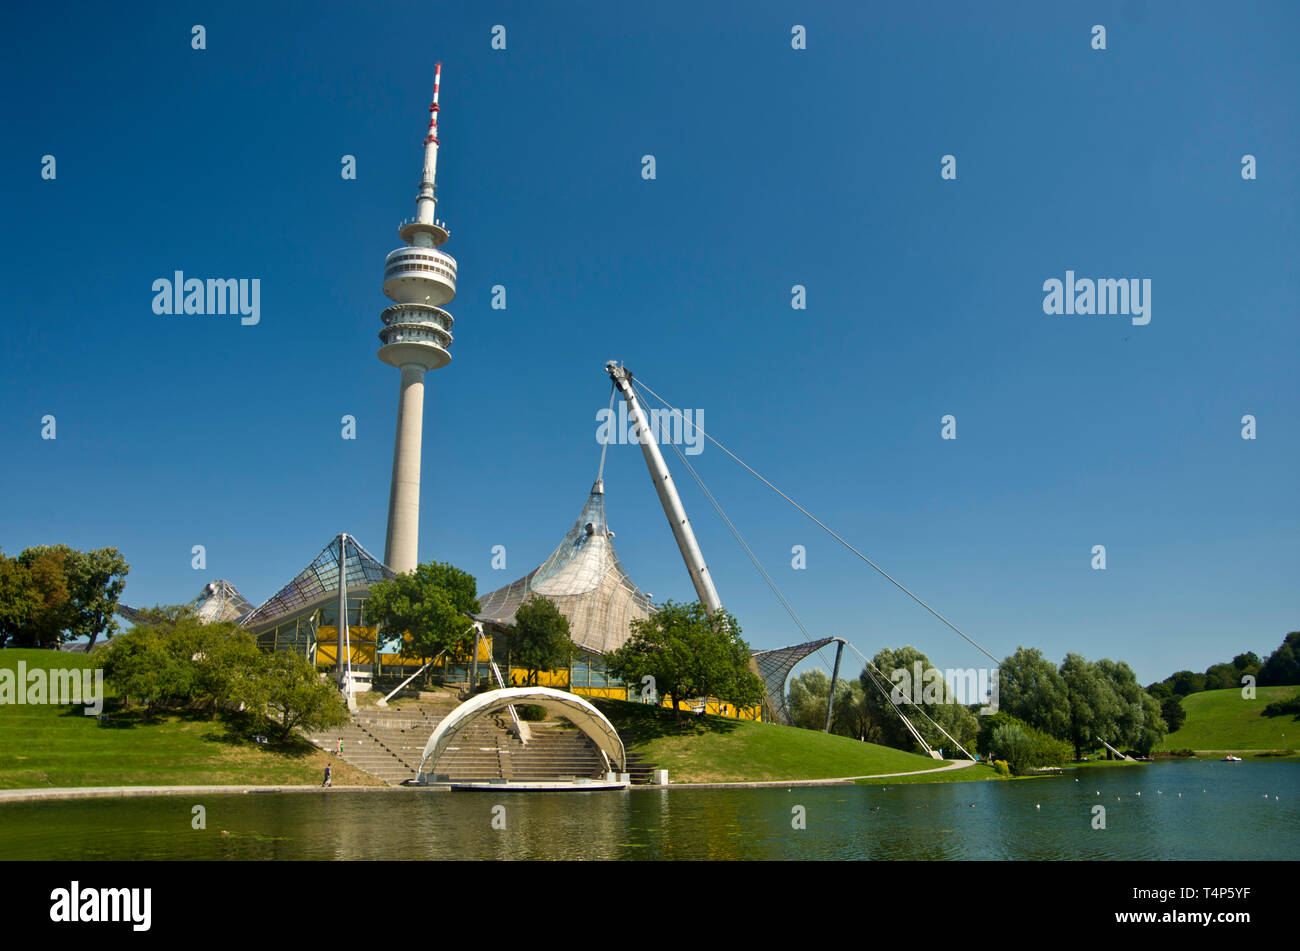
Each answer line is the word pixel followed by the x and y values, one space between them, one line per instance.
pixel 959 764
pixel 98 792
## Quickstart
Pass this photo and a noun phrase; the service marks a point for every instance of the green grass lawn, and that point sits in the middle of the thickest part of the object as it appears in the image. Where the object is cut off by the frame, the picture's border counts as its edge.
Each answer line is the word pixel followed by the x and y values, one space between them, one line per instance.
pixel 50 745
pixel 717 749
pixel 1221 720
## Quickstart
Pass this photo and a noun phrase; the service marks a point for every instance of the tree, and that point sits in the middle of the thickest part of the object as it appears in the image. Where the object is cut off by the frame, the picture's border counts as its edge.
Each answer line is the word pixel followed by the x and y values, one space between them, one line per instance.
pixel 1247 663
pixel 690 654
pixel 228 665
pixel 96 579
pixel 876 687
pixel 1216 677
pixel 1160 690
pixel 1130 713
pixel 806 701
pixel 1031 689
pixel 53 592
pixel 852 716
pixel 1172 712
pixel 1011 744
pixel 1094 707
pixel 172 659
pixel 428 606
pixel 149 665
pixel 807 696
pixel 1154 726
pixel 13 598
pixel 296 697
pixel 1221 677
pixel 1283 665
pixel 540 637
pixel 1024 748
pixel 33 599
pixel 1185 683
pixel 933 696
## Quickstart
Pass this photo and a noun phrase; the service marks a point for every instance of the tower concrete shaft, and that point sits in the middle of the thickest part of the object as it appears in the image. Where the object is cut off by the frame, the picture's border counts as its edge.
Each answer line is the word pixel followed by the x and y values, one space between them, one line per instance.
pixel 402 550
pixel 420 278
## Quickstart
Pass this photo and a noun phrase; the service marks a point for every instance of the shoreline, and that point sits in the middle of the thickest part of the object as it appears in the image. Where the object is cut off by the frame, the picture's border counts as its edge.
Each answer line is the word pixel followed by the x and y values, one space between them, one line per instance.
pixel 135 792
pixel 129 792
pixel 61 793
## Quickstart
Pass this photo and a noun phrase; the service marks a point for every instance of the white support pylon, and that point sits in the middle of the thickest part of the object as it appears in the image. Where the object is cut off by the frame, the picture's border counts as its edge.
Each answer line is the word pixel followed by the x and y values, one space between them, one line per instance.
pixel 668 496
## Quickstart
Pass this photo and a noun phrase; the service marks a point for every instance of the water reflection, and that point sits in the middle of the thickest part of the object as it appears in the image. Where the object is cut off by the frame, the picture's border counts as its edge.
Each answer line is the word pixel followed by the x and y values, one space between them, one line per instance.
pixel 1225 811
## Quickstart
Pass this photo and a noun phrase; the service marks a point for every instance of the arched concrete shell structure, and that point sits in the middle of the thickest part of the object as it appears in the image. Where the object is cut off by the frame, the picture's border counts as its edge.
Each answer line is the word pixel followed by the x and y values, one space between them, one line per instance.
pixel 570 706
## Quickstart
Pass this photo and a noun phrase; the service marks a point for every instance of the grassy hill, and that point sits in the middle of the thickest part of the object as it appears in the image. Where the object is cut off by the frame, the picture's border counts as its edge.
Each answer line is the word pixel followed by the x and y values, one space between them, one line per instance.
pixel 716 749
pixel 49 745
pixel 1222 720
pixel 60 746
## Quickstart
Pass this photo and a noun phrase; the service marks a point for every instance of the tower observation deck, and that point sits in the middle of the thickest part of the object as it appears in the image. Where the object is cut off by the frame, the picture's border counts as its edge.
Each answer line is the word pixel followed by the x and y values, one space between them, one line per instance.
pixel 419 278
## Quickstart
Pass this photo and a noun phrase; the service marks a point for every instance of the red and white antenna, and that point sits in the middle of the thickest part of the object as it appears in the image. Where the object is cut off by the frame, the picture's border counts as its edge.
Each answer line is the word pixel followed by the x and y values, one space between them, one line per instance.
pixel 433 106
pixel 427 198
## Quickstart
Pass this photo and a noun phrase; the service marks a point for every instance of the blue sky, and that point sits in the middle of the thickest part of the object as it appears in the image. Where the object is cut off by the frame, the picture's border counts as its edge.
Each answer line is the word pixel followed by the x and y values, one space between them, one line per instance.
pixel 774 167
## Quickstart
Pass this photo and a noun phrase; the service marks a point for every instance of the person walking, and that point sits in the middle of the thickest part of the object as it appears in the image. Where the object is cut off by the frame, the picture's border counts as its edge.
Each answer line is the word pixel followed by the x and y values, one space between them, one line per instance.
pixel 329 772
pixel 339 750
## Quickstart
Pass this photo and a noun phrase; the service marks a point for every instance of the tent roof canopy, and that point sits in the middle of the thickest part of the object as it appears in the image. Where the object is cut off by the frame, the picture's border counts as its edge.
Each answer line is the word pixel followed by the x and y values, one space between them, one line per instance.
pixel 585 580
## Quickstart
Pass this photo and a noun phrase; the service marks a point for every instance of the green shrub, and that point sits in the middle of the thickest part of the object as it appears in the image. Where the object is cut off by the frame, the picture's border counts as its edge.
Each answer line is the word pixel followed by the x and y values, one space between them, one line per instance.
pixel 1001 766
pixel 1012 745
pixel 531 712
pixel 172 660
pixel 1024 748
pixel 1281 707
pixel 1172 712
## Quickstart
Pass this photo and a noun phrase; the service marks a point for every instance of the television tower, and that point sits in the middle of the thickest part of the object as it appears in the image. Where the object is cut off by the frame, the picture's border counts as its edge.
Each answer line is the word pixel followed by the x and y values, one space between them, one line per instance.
pixel 417 332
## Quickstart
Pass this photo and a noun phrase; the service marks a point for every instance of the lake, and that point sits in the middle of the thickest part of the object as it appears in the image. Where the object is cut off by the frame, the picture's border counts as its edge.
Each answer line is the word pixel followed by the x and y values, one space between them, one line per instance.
pixel 1226 811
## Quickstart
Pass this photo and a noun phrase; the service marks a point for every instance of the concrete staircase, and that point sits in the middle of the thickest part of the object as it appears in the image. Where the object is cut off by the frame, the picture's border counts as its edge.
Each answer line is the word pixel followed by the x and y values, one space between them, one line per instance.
pixel 555 752
pixel 640 770
pixel 385 743
pixel 388 743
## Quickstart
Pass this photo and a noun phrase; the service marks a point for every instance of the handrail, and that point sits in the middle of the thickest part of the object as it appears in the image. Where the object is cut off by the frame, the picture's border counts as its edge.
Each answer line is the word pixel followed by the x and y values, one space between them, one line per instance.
pixel 496 672
pixel 383 701
pixel 413 221
pixel 1113 750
